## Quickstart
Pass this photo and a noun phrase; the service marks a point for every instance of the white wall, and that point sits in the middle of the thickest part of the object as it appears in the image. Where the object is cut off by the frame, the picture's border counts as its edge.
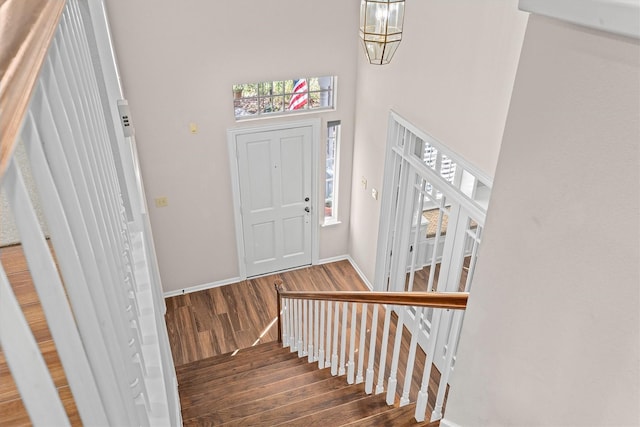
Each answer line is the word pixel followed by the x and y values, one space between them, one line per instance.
pixel 178 61
pixel 451 77
pixel 552 332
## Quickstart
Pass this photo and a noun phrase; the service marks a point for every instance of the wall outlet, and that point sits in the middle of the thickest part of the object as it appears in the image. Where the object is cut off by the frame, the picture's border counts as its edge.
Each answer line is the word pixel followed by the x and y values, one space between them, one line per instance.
pixel 161 202
pixel 363 181
pixel 374 193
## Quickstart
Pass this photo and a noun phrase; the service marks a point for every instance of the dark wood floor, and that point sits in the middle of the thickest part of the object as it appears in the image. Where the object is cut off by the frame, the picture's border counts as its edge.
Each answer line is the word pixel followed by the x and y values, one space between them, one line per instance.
pixel 421 277
pixel 221 320
pixel 200 324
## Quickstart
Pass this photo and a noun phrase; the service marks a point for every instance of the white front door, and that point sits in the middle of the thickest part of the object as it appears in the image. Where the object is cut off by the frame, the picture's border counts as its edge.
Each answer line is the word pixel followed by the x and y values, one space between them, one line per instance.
pixel 275 185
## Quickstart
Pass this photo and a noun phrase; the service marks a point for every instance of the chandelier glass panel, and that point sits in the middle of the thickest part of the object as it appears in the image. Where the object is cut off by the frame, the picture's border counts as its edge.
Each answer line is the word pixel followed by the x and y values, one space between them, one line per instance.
pixel 381 28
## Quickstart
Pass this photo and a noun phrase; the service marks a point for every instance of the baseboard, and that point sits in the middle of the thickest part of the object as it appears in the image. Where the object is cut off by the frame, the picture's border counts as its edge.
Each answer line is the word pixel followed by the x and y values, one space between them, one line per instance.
pixel 445 423
pixel 353 264
pixel 237 279
pixel 201 287
pixel 360 273
pixel 333 259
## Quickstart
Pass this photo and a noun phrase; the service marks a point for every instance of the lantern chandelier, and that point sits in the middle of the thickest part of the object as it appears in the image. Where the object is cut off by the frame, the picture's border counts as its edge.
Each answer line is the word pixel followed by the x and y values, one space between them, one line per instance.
pixel 381 28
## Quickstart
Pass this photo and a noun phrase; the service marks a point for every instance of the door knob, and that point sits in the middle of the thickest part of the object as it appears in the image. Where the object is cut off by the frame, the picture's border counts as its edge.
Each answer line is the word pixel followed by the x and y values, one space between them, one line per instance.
pixel 306 199
pixel 306 209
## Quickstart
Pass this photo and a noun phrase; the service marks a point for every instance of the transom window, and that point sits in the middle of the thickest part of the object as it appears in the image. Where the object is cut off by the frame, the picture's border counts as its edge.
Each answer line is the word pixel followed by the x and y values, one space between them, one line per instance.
pixel 283 96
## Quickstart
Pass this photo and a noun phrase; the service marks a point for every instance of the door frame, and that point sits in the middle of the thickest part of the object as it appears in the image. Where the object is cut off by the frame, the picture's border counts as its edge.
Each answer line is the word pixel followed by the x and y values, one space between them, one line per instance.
pixel 232 135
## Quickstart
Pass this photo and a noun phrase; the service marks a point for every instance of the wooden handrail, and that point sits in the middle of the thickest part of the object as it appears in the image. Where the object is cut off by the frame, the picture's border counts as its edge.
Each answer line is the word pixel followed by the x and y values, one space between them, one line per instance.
pixel 26 30
pixel 448 300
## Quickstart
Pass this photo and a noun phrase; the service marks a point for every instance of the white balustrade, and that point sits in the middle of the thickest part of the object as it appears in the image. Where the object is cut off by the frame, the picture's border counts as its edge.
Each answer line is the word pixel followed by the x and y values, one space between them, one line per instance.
pixel 334 325
pixel 103 300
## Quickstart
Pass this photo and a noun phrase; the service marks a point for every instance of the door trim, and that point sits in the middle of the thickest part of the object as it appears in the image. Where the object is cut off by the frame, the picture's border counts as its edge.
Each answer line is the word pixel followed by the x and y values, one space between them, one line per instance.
pixel 232 135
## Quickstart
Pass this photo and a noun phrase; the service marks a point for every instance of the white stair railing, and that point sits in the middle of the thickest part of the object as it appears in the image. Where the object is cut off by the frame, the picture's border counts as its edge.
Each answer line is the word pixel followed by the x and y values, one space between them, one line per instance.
pixel 349 333
pixel 103 299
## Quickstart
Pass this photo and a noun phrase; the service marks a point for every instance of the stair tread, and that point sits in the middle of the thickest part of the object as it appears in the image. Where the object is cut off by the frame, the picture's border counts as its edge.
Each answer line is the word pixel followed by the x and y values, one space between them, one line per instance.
pixel 343 411
pixel 248 352
pixel 269 385
pixel 286 395
pixel 228 386
pixel 234 366
pixel 204 403
pixel 395 416
pixel 327 401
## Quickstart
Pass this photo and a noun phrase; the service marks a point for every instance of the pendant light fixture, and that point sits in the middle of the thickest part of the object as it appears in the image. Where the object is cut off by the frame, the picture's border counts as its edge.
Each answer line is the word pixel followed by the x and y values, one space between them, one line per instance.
pixel 381 28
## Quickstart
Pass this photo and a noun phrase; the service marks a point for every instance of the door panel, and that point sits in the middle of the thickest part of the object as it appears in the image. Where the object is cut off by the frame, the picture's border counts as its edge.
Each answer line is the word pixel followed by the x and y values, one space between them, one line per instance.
pixel 258 184
pixel 294 236
pixel 274 172
pixel 264 235
pixel 292 159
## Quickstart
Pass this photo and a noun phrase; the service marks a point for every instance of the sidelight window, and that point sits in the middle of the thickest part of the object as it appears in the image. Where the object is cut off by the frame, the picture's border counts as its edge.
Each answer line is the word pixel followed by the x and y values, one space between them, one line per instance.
pixel 331 170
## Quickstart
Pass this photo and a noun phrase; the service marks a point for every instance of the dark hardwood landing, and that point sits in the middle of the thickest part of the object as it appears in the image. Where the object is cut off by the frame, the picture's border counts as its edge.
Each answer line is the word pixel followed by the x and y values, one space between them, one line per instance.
pixel 267 385
pixel 221 320
pixel 200 323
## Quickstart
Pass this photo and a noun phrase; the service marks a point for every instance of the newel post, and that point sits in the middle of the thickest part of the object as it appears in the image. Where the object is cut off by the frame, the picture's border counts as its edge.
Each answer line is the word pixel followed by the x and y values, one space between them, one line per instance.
pixel 279 287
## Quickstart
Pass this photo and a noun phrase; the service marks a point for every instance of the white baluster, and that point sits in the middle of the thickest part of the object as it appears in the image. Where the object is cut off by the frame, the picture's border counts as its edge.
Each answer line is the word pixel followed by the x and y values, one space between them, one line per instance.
pixel 393 379
pixel 292 325
pixel 310 336
pixel 285 321
pixel 321 337
pixel 368 383
pixel 352 345
pixel 334 354
pixel 300 347
pixel 26 362
pixel 305 327
pixel 291 331
pixel 423 394
pixel 316 338
pixel 343 339
pixel 408 375
pixel 363 333
pixel 383 349
pixel 327 362
pixel 444 378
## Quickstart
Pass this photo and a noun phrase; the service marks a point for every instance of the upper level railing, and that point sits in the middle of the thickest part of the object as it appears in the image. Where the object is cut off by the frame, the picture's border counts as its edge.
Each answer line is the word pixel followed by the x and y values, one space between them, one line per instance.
pixel 101 294
pixel 318 325
pixel 26 30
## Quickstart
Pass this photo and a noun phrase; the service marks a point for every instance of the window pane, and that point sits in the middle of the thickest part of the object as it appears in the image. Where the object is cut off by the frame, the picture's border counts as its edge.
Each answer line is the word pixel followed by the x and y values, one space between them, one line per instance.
pixel 265 88
pixel 278 88
pixel 282 96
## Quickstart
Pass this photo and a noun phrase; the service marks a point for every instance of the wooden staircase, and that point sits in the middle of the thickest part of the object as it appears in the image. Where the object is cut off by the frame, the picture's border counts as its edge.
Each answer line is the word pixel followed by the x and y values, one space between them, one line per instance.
pixel 267 385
